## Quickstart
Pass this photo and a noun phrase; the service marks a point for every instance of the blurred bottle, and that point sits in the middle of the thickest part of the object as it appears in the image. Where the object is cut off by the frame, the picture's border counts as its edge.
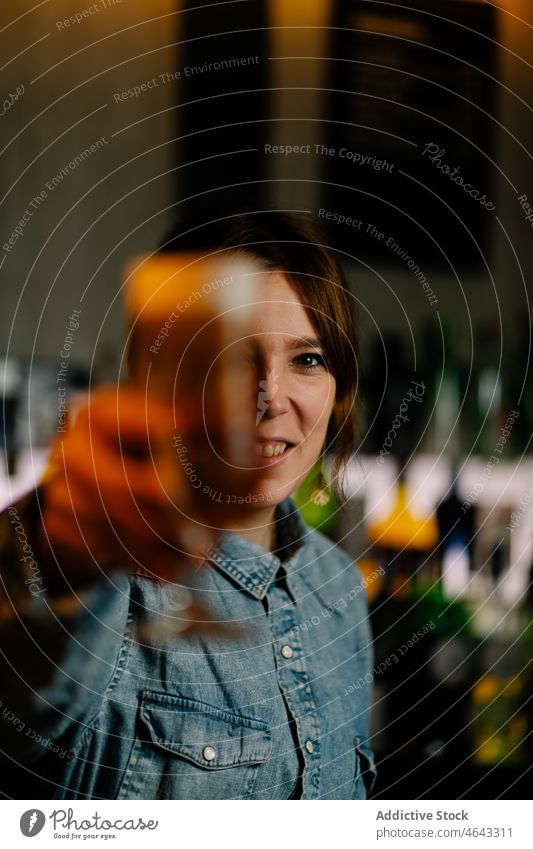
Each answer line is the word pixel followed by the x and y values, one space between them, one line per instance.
pixel 406 540
pixel 502 691
pixel 443 378
pixel 422 640
pixel 499 708
pixel 456 540
pixel 519 384
pixel 489 383
pixel 11 377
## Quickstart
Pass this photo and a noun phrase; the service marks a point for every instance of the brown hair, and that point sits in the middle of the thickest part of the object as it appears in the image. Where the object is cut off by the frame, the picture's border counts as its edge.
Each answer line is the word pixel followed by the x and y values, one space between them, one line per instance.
pixel 294 246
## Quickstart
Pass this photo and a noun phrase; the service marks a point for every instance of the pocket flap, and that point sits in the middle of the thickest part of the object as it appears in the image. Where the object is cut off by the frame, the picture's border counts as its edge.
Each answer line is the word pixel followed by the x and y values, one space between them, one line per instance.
pixel 207 736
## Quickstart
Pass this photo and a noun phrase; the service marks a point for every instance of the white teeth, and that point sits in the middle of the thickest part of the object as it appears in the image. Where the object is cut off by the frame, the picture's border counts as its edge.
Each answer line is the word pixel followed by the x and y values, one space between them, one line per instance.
pixel 272 449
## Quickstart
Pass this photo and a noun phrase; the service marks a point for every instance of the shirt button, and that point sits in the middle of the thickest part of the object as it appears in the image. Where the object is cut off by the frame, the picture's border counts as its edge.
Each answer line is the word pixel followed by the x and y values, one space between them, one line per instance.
pixel 309 746
pixel 287 652
pixel 209 753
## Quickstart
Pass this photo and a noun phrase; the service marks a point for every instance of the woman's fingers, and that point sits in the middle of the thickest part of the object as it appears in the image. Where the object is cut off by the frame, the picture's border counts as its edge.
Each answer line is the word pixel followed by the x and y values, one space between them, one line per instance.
pixel 115 489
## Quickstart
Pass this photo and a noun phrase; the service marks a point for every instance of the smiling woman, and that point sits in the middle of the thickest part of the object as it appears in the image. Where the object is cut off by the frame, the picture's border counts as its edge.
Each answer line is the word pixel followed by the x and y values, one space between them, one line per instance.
pixel 242 701
pixel 312 300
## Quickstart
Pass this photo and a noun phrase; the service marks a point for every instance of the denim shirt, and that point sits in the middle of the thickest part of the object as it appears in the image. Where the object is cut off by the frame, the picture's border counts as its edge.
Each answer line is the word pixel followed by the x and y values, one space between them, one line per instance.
pixel 271 713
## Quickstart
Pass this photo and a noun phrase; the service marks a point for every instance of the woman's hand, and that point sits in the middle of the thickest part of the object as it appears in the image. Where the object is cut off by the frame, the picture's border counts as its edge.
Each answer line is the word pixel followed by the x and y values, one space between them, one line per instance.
pixel 114 493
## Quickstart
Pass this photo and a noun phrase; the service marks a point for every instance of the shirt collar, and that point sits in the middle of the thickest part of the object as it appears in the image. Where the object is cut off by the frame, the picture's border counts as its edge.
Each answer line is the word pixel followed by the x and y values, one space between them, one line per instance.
pixel 248 564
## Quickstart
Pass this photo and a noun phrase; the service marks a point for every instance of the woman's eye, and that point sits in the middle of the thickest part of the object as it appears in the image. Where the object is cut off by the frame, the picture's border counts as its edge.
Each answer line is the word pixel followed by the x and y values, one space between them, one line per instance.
pixel 310 362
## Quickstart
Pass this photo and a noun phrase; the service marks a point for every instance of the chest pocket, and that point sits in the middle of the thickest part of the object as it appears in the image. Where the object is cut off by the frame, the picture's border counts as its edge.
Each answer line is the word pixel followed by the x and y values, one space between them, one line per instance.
pixel 187 749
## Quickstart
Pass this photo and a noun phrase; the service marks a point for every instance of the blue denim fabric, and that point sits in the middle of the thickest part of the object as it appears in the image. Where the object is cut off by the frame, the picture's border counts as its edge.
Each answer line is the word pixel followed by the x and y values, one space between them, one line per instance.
pixel 268 715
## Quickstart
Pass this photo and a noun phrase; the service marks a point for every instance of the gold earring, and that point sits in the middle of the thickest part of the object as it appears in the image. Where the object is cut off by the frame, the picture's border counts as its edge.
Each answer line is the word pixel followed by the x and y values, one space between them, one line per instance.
pixel 319 493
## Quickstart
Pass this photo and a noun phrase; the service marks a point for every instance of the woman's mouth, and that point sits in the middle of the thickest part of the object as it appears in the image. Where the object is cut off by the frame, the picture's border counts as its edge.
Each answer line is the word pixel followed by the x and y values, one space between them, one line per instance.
pixel 273 451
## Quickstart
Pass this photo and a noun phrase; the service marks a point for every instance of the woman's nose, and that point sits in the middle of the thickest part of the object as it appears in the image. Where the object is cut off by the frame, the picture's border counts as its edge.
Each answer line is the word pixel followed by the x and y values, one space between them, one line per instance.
pixel 272 398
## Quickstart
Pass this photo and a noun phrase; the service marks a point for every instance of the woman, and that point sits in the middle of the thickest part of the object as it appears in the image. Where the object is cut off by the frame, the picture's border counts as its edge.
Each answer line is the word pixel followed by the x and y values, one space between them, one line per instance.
pixel 270 713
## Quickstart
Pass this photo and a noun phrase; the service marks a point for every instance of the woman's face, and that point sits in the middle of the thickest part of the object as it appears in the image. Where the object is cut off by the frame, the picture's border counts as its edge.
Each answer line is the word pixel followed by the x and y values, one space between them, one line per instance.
pixel 295 392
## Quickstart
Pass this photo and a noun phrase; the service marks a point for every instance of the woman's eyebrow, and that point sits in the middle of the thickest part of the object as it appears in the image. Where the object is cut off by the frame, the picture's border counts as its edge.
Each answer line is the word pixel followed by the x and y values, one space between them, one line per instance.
pixel 294 344
pixel 304 342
